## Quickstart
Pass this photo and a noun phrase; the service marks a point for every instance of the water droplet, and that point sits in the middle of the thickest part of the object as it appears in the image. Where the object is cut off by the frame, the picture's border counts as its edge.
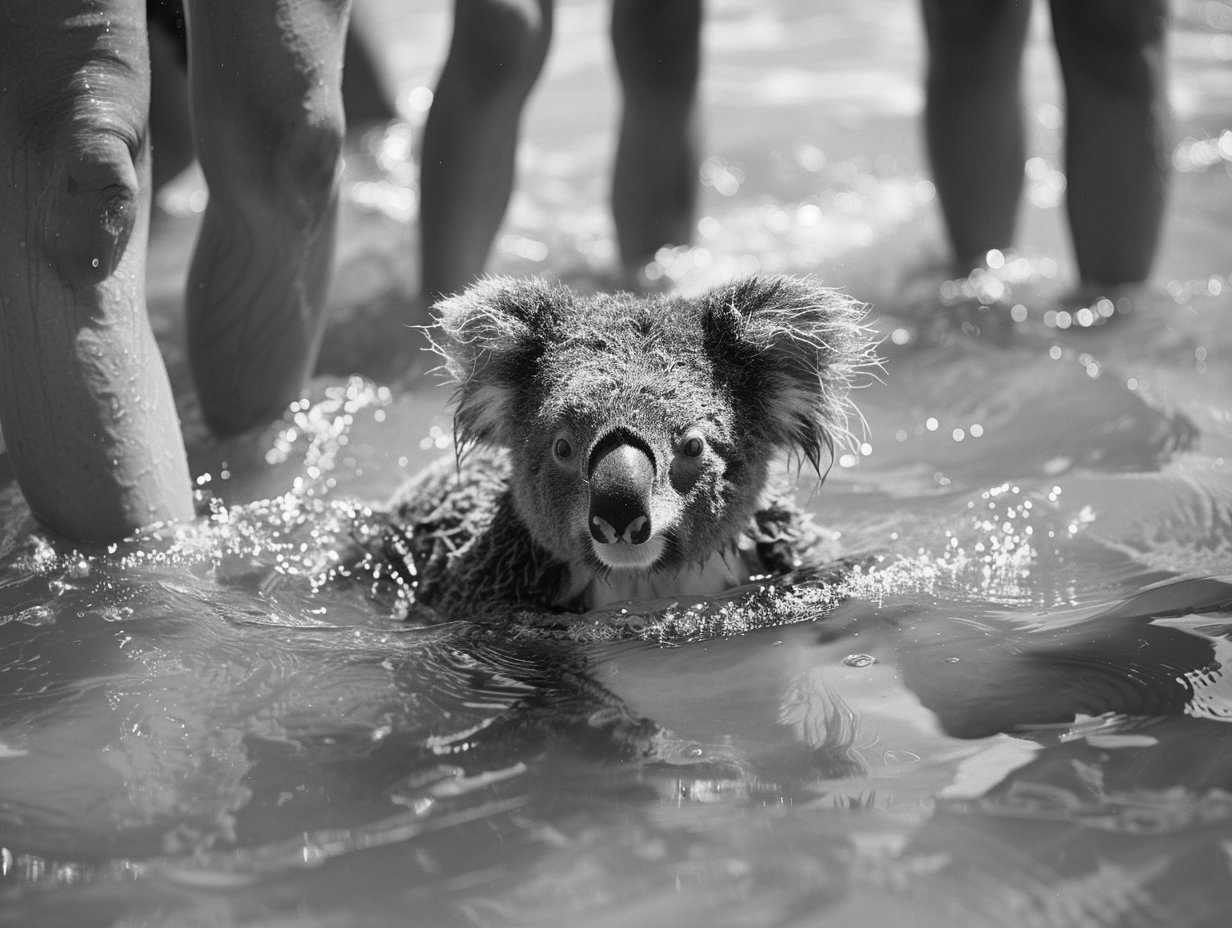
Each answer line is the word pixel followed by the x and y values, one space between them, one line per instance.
pixel 859 660
pixel 94 262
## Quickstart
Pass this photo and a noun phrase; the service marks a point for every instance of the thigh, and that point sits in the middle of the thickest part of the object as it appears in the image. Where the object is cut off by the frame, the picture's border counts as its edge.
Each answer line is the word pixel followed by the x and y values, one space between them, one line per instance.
pixel 1111 22
pixel 657 44
pixel 499 46
pixel 261 70
pixel 1116 43
pixel 977 26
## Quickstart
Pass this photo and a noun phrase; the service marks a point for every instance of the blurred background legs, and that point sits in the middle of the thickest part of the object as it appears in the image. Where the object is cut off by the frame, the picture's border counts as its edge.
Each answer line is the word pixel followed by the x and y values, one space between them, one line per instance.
pixel 1112 58
pixel 973 118
pixel 657 45
pixel 470 140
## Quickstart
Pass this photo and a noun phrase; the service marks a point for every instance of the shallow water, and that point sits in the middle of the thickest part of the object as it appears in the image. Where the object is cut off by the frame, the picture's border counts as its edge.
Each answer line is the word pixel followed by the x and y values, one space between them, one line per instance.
pixel 1017 714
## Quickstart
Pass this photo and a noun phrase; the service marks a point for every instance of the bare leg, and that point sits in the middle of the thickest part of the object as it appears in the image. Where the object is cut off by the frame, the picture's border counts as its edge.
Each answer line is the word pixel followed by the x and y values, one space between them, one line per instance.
pixel 365 97
pixel 470 140
pixel 654 183
pixel 86 407
pixel 265 83
pixel 1111 55
pixel 170 131
pixel 973 118
pixel 364 93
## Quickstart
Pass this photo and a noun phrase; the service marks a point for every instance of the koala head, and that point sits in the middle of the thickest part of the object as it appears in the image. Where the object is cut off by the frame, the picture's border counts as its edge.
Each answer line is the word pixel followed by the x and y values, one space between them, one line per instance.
pixel 640 429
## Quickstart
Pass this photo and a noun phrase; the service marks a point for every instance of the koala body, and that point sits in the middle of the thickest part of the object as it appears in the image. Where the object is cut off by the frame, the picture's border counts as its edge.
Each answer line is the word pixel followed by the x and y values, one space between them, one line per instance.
pixel 625 448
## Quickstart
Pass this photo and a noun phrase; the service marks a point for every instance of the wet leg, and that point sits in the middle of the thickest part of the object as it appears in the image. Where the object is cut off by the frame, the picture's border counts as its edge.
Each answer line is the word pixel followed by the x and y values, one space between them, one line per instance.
pixel 973 118
pixel 1111 55
pixel 86 407
pixel 470 140
pixel 657 45
pixel 365 96
pixel 265 80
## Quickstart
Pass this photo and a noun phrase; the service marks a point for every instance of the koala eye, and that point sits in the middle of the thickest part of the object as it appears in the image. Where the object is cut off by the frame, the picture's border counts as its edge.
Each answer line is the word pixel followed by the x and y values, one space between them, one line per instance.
pixel 693 446
pixel 562 449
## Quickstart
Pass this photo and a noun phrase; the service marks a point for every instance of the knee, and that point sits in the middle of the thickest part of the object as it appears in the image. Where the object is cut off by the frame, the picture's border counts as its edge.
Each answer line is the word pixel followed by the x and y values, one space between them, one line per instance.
pixel 965 36
pixel 657 45
pixel 1112 24
pixel 283 164
pixel 89 201
pixel 307 165
pixel 1112 41
pixel 498 46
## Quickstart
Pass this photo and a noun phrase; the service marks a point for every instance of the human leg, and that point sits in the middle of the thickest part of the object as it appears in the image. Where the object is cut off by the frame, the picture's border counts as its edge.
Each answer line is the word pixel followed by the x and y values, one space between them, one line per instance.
pixel 973 118
pixel 657 46
pixel 170 129
pixel 470 139
pixel 365 96
pixel 265 81
pixel 87 412
pixel 364 93
pixel 1112 57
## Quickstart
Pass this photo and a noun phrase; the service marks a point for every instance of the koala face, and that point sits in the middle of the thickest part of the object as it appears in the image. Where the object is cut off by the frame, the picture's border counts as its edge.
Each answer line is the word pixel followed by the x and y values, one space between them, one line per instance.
pixel 640 430
pixel 629 460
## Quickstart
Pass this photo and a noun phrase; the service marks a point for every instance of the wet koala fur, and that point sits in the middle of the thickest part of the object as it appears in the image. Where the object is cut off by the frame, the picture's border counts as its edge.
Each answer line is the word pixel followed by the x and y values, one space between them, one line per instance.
pixel 617 448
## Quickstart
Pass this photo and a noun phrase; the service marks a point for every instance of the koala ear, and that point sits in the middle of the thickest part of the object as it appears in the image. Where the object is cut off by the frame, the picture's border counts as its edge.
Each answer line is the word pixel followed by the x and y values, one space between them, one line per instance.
pixel 490 336
pixel 788 350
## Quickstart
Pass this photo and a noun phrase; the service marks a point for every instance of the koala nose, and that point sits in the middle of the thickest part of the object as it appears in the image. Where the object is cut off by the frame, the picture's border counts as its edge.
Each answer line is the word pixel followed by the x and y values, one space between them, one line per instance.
pixel 621 479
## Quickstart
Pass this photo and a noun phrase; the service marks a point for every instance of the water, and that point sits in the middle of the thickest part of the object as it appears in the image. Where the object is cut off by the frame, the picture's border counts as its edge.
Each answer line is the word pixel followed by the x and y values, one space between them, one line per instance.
pixel 1017 714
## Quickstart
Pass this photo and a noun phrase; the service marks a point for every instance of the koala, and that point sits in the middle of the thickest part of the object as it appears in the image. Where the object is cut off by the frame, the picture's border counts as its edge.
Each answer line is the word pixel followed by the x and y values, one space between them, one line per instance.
pixel 616 448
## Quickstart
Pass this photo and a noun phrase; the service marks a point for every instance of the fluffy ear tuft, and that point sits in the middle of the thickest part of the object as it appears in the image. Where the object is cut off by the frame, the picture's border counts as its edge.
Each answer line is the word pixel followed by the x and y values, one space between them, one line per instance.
pixel 490 336
pixel 789 350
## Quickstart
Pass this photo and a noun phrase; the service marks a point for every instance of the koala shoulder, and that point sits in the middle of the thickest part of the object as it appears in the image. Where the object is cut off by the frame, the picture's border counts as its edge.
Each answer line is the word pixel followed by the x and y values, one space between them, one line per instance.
pixel 457 538
pixel 451 496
